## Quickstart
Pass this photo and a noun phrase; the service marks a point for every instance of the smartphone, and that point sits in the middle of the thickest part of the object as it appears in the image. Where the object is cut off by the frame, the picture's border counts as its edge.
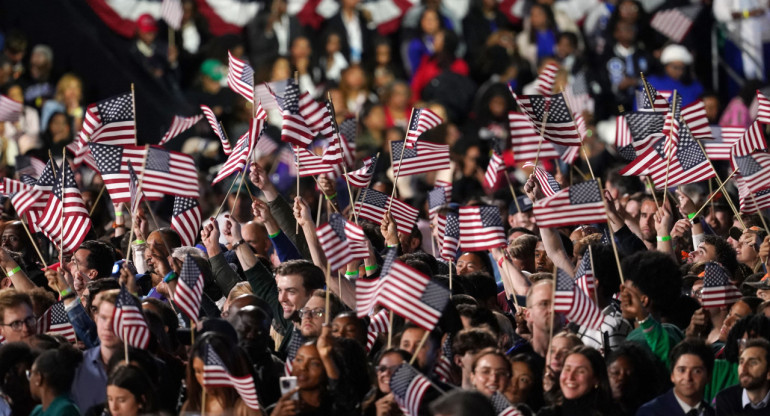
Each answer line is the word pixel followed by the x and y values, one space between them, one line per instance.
pixel 288 384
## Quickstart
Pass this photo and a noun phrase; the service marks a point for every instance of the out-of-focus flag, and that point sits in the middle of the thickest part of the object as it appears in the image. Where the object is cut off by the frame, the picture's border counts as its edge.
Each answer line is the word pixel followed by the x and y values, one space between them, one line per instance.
pixel 240 77
pixel 581 203
pixel 421 121
pixel 189 289
pixel 525 140
pixel 481 228
pixel 217 128
pixel 186 219
pixel 179 125
pixel 373 205
pixel 128 322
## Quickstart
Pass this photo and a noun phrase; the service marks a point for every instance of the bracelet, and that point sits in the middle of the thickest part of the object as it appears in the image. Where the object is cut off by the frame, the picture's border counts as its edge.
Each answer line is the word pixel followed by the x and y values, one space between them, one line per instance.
pixel 643 320
pixel 116 225
pixel 274 235
pixel 118 213
pixel 139 242
pixel 691 215
pixel 239 242
pixel 666 238
pixel 14 271
pixel 746 13
pixel 67 296
pixel 392 245
pixel 330 197
pixel 66 292
pixel 171 276
pixel 370 268
pixel 351 273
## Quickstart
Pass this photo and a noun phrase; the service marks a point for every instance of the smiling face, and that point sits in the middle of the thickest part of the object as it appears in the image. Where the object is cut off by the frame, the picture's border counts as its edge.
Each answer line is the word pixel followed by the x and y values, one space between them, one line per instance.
pixel 577 377
pixel 492 374
pixel 386 367
pixel 291 294
pixel 308 368
pixel 689 377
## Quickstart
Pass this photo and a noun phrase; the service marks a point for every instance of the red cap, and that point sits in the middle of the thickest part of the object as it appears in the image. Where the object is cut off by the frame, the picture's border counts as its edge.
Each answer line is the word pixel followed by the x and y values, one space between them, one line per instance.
pixel 146 23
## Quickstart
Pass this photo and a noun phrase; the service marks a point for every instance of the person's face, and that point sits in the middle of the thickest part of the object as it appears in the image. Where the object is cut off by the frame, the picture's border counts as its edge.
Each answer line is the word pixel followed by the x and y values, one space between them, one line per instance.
pixel 564 48
pixel 764 294
pixel 430 22
pixel 497 106
pixel 300 48
pixel 469 263
pixel 345 327
pixel 34 382
pixel 521 382
pixel 308 368
pixel 720 221
pixel 104 325
pixel 492 374
pixel 539 312
pixel 577 377
pixel 311 321
pixel 197 365
pixel 697 290
pixel 738 311
pixel 386 367
pixel 399 98
pixel 470 160
pixel 256 236
pixel 629 11
pixel 542 262
pixel 620 372
pixel 59 127
pixel 522 219
pixel 22 317
pixel 712 108
pixel 375 120
pixel 147 37
pixel 410 339
pixel 80 272
pixel 753 368
pixel 689 377
pixel 383 54
pixel 121 401
pixel 12 238
pixel 647 221
pixel 155 250
pixel 560 346
pixel 675 69
pixel 705 252
pixel 291 294
pixel 333 44
pixel 16 93
pixel 746 252
pixel 538 18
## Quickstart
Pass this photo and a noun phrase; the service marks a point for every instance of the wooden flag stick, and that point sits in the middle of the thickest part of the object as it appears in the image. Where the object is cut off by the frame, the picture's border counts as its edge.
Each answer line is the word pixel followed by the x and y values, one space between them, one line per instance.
pixel 647 90
pixel 669 146
pixel 450 278
pixel 652 191
pixel 401 159
pixel 390 329
pixel 235 180
pixel 328 291
pixel 96 202
pixel 203 400
pixel 721 184
pixel 419 347
pixel 513 192
pixel 591 257
pixel 612 233
pixel 133 107
pixel 34 244
pixel 542 136
pixel 318 214
pixel 713 194
pixel 339 141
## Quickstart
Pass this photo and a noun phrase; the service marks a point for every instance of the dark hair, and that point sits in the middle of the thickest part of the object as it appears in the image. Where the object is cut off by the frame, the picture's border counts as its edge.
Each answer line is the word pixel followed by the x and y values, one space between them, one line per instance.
pixel 483 257
pixel 535 398
pixel 134 379
pixel 488 351
pixel 335 304
pixel 462 403
pixel 393 350
pixel 424 257
pixel 573 41
pixel 312 275
pixel 625 184
pixel 99 285
pixel 647 379
pixel 101 257
pixel 14 357
pixel 752 302
pixel 233 359
pixel 693 346
pixel 472 339
pixel 605 270
pixel 725 253
pixel 657 276
pixel 480 285
pixel 57 367
pixel 755 326
pixel 760 343
pixel 603 397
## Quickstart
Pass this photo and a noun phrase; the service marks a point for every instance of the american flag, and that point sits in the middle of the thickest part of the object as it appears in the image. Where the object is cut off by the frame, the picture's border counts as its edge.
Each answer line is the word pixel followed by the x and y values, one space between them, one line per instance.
pixel 581 203
pixel 133 188
pixel 502 406
pixel 763 108
pixel 421 121
pixel 494 169
pixel 481 228
pixel 265 146
pixel 659 104
pixel 649 157
pixel 447 188
pixel 29 180
pixel 694 114
pixel 128 322
pixel 240 77
pixel 443 367
pixel 189 289
pixel 718 292
pixel 584 275
pixel 109 121
pixel 645 127
pixel 451 240
pixel 295 343
pixel 217 128
pixel 342 241
pixel 675 23
pixel 165 172
pixel 623 140
pixel 333 152
pixel 368 290
pixel 409 387
pixel 748 205
pixel 672 120
pixel 239 158
pixel 570 154
pixel 186 219
pixel 29 165
pixel 755 170
pixel 179 125
pixel 361 177
pixel 171 11
pixel 575 304
pixel 10 109
pixel 525 140
pixel 295 129
pixel 413 296
pixel 436 200
pixel 687 163
pixel 546 78
pixel 318 116
pixel 65 217
pixel 378 324
pixel 24 199
pixel 55 322
pixel 548 183
pixel 753 139
pixel 419 158
pixel 721 150
pixel 577 95
pixel 559 126
pixel 347 141
pixel 373 205
pixel 310 164
pixel 216 374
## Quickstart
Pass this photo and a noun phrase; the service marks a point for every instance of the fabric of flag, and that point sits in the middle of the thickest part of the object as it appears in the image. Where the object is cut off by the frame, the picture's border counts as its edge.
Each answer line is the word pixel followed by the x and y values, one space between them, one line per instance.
pixel 189 289
pixel 361 177
pixel 186 219
pixel 295 343
pixel 239 158
pixel 10 109
pixel 217 128
pixel 29 165
pixel 436 200
pixel 240 77
pixel 420 158
pixel 216 374
pixel 675 23
pixel 318 116
pixel 413 296
pixel 649 157
pixel 133 188
pixel 546 78
pixel 584 275
pixel 752 140
pixel 559 126
pixel 333 152
pixel 581 203
pixel 65 218
pixel 718 292
pixel 570 154
pixel 548 183
pixel 421 121
pixel 686 163
pixel 171 11
pixel 576 306
pixel 755 170
pixel 443 367
pixel 347 132
pixel 451 240
pixel 110 121
pixel 337 244
pixel 645 127
pixel 24 200
pixel 372 205
pixel 409 388
pixel 294 129
pixel 578 95
pixel 128 322
pixel 749 205
pixel 722 150
pixel 525 140
pixel 494 169
pixel 55 322
pixel 623 140
pixel 447 188
pixel 481 228
pixel 672 120
pixel 311 164
pixel 368 290
pixel 502 406
pixel 260 112
pixel 29 180
pixel 179 125
pixel 694 114
pixel 659 104
pixel 378 324
pixel 164 173
pixel 763 108
pixel 265 146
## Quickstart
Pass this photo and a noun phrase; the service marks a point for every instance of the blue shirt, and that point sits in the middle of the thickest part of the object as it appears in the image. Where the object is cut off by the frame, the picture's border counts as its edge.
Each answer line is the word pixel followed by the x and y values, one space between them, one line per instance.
pixel 90 385
pixel 689 92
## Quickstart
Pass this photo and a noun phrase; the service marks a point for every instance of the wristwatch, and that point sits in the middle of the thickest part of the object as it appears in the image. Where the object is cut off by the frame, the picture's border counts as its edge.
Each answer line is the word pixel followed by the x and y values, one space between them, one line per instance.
pixel 239 242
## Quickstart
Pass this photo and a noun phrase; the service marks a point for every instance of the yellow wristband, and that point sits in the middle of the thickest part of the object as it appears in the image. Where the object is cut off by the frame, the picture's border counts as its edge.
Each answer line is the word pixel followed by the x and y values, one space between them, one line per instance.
pixel 118 213
pixel 14 271
pixel 746 14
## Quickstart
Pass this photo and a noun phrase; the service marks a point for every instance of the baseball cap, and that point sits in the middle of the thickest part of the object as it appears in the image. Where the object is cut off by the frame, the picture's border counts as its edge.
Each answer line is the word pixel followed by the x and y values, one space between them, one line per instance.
pixel 146 23
pixel 524 203
pixel 213 69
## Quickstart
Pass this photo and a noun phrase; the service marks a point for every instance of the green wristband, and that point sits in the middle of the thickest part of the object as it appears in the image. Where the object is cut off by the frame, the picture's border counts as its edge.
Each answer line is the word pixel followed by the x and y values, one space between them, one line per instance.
pixel 370 268
pixel 330 197
pixel 275 235
pixel 666 238
pixel 66 292
pixel 14 271
pixel 691 215
pixel 171 276
pixel 138 242
pixel 351 273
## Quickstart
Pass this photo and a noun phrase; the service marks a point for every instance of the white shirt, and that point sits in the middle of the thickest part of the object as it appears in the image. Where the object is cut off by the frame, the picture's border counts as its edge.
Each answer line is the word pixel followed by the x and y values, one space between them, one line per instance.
pixel 281 30
pixel 745 401
pixel 355 37
pixel 686 407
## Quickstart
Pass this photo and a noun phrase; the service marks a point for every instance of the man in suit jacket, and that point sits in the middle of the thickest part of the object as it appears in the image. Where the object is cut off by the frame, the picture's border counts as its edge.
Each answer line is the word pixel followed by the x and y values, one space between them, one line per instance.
pixel 752 395
pixel 692 362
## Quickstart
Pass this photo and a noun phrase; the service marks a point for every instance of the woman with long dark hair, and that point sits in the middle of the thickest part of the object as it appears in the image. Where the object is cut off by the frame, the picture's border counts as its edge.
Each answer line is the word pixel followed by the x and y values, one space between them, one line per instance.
pixel 130 392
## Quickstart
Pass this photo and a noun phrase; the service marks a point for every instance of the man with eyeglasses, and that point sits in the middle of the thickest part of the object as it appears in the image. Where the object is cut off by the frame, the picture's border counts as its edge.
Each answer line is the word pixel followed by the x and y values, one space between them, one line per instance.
pixel 18 321
pixel 313 315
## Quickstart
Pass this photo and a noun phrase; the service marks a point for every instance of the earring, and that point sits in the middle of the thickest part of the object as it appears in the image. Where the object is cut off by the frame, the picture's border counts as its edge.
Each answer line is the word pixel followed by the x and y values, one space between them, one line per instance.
pixel 596 386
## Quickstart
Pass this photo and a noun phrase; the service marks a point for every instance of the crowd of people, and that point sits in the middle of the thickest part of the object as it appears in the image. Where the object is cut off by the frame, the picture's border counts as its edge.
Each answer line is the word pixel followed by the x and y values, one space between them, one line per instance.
pixel 271 309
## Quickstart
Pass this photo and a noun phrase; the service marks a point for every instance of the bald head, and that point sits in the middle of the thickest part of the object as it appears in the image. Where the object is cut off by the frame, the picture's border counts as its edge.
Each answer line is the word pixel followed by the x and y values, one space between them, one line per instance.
pixel 256 235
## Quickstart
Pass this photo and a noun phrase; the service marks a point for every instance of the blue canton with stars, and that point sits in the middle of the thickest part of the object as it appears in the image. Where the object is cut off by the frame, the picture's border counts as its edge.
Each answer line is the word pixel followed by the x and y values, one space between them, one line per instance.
pixel 642 125
pixel 395 150
pixel 375 198
pixel 490 216
pixel 435 296
pixel 688 151
pixel 46 181
pixel 564 281
pixel 348 129
pixel 436 197
pixel 452 228
pixel 291 97
pixel 337 222
pixel 585 193
pixel 747 166
pixel 182 204
pixel 158 159
pixel 108 158
pixel 715 275
pixel 116 109
pixel 558 112
pixel 190 272
pixel 212 358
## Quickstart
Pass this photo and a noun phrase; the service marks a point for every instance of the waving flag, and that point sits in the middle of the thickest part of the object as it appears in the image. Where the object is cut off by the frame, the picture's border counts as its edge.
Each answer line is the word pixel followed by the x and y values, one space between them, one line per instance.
pixel 179 125
pixel 752 140
pixel 55 322
pixel 574 304
pixel 110 121
pixel 502 406
pixel 24 199
pixel 319 117
pixel 548 183
pixel 718 292
pixel 645 128
pixel 133 188
pixel 436 200
pixel 295 129
pixel 721 150
pixel 481 228
pixel 494 169
pixel 368 290
pixel 347 131
pixel 675 23
pixel 443 367
pixel 65 217
pixel 763 108
pixel 546 78
pixel 171 11
pixel 687 163
pixel 525 140
pixel 373 205
pixel 128 322
pixel 755 170
pixel 239 158
pixel 378 324
pixel 420 158
pixel 623 140
pixel 10 109
pixel 451 240
pixel 659 104
pixel 29 165
pixel 559 127
pixel 189 289
pixel 186 219
pixel 310 164
pixel 409 387
pixel 581 203
pixel 413 296
pixel 584 275
pixel 747 200
pixel 217 128
pixel 216 374
pixel 694 114
pixel 421 121
pixel 360 178
pixel 240 77
pixel 342 241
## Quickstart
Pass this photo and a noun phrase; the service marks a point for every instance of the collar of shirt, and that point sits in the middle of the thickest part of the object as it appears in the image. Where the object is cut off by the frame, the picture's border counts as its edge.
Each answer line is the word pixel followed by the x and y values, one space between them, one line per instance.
pixel 686 407
pixel 745 401
pixel 623 51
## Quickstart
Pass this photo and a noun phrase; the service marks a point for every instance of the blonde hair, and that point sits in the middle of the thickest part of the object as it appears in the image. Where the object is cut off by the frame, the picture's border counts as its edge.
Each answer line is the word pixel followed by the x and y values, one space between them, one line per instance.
pixel 66 81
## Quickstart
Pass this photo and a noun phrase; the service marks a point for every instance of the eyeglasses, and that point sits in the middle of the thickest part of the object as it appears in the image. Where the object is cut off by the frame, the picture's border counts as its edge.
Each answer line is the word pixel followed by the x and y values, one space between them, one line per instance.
pixel 29 321
pixel 11 238
pixel 310 313
pixel 386 368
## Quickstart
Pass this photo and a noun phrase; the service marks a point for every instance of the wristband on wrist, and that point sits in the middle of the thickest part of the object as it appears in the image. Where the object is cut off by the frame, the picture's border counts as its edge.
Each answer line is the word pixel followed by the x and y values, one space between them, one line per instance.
pixel 116 225
pixel 274 235
pixel 392 245
pixel 370 268
pixel 14 271
pixel 330 197
pixel 746 13
pixel 66 292
pixel 171 276
pixel 351 273
pixel 691 215
pixel 665 238
pixel 238 243
pixel 118 213
pixel 139 242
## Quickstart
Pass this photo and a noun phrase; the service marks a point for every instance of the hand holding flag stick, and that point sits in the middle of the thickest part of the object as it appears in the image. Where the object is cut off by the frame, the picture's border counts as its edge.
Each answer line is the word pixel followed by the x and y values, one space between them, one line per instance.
pixel 713 194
